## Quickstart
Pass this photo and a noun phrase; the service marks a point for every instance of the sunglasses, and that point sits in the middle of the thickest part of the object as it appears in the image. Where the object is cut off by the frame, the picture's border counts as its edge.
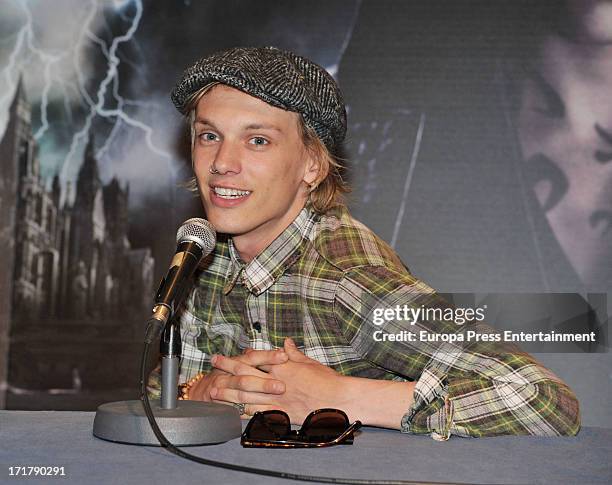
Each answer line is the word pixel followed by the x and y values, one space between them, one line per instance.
pixel 323 427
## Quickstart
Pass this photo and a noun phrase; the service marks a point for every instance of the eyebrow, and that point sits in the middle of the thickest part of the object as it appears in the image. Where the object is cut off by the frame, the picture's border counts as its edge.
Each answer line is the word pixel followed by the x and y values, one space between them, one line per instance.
pixel 250 126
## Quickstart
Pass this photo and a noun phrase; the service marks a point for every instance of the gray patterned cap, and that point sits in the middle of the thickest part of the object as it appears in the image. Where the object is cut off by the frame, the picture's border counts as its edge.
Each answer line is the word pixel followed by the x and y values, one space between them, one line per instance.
pixel 280 78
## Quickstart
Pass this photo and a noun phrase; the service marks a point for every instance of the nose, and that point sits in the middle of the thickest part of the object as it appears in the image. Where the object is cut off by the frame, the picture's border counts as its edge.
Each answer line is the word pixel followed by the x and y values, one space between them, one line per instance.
pixel 227 158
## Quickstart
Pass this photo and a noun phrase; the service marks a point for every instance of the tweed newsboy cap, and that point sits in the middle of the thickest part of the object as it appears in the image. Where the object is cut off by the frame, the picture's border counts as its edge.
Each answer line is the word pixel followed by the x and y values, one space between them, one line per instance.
pixel 280 78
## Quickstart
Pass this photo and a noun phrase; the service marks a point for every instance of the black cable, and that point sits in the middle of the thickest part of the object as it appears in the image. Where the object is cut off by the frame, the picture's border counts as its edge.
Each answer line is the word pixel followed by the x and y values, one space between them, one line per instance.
pixel 163 441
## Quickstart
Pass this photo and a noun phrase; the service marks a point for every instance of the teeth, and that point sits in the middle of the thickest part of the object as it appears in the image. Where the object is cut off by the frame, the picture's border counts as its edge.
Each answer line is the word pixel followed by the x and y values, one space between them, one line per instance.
pixel 230 193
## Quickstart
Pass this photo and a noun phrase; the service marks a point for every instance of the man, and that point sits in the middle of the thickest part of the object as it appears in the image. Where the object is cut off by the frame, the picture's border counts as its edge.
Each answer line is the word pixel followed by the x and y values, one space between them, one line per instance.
pixel 282 315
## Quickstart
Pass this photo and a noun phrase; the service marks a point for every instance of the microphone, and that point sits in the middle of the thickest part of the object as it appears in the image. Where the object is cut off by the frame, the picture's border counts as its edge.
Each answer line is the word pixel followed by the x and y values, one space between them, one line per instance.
pixel 195 239
pixel 184 423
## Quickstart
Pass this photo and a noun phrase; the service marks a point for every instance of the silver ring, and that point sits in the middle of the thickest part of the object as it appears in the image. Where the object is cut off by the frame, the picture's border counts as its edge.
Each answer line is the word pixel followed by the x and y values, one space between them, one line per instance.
pixel 240 406
pixel 213 170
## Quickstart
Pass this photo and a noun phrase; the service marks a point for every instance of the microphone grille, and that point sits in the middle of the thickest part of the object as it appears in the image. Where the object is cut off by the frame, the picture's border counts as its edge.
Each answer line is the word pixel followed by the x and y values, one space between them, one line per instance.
pixel 199 231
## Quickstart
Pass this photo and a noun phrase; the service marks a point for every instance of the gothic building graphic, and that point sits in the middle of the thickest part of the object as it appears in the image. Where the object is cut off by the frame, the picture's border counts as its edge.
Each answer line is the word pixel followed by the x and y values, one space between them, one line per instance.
pixel 62 260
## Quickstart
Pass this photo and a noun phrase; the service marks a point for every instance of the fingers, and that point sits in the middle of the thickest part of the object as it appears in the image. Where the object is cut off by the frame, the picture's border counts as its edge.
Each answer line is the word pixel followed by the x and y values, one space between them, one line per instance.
pixel 258 358
pixel 251 409
pixel 293 352
pixel 200 391
pixel 206 389
pixel 249 384
pixel 252 364
pixel 235 366
pixel 240 396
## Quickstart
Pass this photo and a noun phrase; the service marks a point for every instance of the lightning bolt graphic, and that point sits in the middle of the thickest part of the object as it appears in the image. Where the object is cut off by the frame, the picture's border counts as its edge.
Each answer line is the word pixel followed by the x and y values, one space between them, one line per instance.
pixel 25 36
pixel 106 102
pixel 111 78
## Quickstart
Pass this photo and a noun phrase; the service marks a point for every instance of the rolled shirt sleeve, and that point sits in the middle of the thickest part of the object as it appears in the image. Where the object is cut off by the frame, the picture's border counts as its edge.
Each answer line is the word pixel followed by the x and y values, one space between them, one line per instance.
pixel 464 387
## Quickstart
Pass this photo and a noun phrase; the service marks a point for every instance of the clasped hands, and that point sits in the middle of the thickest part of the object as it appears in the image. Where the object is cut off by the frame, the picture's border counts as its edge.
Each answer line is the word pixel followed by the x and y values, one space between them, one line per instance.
pixel 284 379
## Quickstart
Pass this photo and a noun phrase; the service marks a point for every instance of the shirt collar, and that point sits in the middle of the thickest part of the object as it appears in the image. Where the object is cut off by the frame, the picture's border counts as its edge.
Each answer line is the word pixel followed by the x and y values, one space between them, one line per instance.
pixel 272 262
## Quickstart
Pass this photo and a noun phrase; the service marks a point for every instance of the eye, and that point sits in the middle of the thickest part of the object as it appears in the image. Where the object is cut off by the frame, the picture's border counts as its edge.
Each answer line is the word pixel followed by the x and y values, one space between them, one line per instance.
pixel 208 136
pixel 258 140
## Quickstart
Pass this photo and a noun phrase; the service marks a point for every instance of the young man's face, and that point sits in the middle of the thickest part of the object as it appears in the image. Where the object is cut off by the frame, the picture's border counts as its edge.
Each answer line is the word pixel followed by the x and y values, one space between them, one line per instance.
pixel 263 167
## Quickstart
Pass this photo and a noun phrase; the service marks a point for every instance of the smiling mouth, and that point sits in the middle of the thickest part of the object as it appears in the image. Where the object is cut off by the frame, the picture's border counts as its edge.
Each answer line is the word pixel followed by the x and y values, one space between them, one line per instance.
pixel 226 193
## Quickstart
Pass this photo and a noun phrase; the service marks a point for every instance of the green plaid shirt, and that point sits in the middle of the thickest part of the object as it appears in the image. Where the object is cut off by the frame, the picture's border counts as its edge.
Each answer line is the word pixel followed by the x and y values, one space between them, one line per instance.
pixel 319 283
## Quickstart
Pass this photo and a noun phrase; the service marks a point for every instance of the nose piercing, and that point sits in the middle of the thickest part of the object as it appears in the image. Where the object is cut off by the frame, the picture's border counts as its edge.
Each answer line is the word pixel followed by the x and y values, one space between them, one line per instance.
pixel 212 170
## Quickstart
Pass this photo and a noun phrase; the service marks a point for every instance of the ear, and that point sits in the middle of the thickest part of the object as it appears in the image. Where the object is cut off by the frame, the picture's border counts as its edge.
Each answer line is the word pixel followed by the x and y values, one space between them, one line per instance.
pixel 314 169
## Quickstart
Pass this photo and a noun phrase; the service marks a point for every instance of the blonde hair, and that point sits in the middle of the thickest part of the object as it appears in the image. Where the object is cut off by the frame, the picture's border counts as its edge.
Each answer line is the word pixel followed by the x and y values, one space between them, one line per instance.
pixel 327 189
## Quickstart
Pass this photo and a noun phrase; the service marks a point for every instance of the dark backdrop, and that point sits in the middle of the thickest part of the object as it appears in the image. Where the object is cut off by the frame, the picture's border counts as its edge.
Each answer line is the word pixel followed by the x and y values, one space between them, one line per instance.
pixel 445 99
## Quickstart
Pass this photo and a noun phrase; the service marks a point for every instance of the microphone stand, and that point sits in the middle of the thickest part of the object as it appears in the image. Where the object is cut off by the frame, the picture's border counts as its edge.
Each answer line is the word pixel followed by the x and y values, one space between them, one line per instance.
pixel 170 351
pixel 184 423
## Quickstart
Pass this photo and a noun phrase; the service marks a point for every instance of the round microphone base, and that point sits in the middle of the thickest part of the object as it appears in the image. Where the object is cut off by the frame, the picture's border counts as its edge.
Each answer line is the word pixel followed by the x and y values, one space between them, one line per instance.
pixel 191 423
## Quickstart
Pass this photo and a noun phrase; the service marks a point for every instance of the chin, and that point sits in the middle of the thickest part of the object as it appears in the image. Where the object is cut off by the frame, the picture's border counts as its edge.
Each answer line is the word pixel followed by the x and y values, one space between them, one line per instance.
pixel 226 224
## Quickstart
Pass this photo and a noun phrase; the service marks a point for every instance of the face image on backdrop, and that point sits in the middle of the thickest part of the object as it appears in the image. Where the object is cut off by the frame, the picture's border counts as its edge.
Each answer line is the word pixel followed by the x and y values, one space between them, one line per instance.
pixel 565 132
